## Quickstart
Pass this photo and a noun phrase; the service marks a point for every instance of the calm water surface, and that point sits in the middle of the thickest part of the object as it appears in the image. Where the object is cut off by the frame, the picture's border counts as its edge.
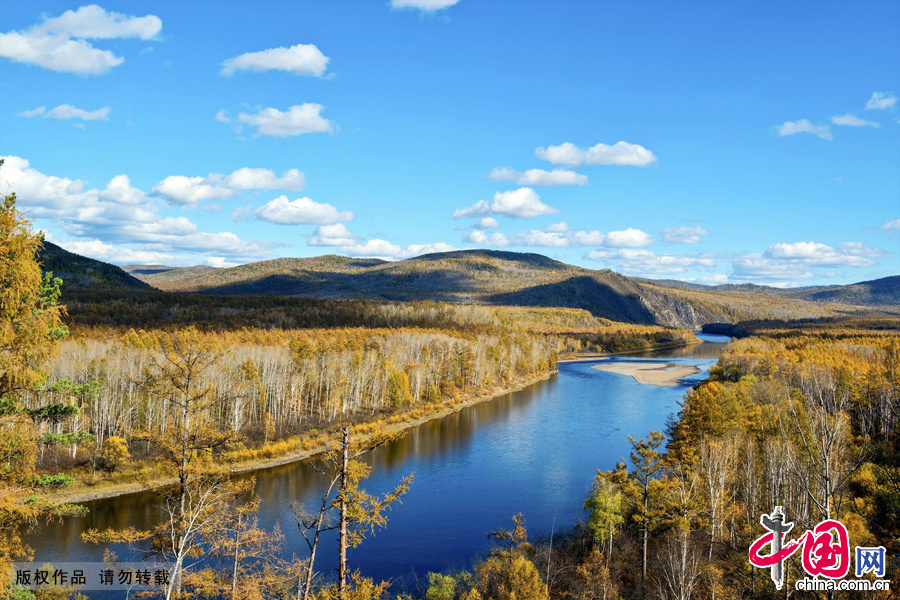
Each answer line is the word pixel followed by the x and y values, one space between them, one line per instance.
pixel 534 451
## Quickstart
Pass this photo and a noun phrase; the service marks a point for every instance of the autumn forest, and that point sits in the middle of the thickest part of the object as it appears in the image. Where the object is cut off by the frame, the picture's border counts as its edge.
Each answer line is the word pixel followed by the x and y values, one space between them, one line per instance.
pixel 111 391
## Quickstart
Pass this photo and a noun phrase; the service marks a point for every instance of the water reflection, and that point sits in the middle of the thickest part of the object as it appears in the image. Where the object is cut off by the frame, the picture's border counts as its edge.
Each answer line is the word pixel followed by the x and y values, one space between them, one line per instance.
pixel 535 451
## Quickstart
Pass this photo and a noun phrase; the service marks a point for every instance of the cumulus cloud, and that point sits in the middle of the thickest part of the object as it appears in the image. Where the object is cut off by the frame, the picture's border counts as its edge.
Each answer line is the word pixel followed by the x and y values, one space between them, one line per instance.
pixel 428 6
pixel 628 238
pixel 117 214
pixel 302 211
pixel 60 43
pixel 190 190
pixel 296 120
pixel 300 59
pixel 109 253
pixel 620 153
pixel 184 190
pixel 881 101
pixel 522 203
pixel 332 235
pixel 786 263
pixel 481 238
pixel 804 126
pixel 646 263
pixel 812 253
pixel 377 248
pixel 849 120
pixel 684 235
pixel 486 223
pixel 538 176
pixel 247 178
pixel 222 116
pixel 557 227
pixel 480 209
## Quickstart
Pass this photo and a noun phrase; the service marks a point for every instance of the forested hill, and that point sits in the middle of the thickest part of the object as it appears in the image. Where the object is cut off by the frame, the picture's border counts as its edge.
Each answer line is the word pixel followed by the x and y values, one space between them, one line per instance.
pixel 83 274
pixel 876 292
pixel 490 277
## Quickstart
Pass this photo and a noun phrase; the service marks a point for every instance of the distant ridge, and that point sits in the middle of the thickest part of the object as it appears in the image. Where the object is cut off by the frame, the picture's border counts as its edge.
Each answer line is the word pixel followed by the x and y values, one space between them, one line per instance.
pixel 508 278
pixel 82 273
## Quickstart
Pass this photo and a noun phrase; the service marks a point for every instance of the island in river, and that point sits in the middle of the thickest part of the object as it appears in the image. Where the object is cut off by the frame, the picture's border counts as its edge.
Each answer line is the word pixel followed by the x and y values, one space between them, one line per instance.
pixel 652 373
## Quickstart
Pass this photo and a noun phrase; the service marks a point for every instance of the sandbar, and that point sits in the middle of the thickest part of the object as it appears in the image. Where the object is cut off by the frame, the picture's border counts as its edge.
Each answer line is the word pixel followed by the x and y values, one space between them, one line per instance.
pixel 651 373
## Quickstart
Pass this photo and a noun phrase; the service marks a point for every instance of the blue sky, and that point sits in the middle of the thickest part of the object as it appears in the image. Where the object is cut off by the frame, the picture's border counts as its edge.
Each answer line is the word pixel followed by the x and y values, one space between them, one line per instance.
pixel 716 142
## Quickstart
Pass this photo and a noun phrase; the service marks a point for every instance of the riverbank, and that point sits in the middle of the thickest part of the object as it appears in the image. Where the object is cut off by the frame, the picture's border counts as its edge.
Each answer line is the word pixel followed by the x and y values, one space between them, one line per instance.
pixel 650 373
pixel 322 441
pixel 588 356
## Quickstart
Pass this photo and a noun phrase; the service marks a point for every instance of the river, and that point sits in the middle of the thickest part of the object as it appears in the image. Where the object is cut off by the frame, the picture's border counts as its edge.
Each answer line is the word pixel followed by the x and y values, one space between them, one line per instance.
pixel 534 451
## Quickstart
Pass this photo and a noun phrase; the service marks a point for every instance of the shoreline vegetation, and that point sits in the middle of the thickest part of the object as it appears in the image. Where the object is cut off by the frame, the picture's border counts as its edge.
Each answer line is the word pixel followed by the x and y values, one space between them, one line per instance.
pixel 651 373
pixel 323 441
pixel 394 424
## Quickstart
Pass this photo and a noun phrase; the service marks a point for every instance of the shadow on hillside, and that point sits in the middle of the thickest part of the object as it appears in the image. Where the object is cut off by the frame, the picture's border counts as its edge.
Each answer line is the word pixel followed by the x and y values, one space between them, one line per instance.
pixel 441 284
pixel 600 299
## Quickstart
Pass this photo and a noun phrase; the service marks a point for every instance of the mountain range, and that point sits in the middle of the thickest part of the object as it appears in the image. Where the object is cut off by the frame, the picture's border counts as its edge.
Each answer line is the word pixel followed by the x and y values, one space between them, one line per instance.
pixel 487 277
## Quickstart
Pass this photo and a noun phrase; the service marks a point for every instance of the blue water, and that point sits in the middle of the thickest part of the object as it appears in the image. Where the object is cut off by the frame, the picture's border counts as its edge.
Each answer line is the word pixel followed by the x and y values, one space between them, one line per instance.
pixel 534 451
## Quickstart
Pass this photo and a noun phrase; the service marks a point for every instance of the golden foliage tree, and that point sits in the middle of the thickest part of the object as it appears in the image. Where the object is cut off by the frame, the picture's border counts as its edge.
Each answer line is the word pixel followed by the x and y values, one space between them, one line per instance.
pixel 30 326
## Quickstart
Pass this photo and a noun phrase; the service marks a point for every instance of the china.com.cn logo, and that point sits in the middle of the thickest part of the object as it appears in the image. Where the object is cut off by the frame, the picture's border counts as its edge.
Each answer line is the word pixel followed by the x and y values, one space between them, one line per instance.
pixel 826 550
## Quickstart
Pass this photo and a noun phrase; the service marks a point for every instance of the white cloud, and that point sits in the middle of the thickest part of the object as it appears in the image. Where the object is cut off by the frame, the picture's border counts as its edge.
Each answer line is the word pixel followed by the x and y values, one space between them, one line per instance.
pixel 539 176
pixel 119 190
pixel 222 116
pixel 755 267
pixel 34 112
pixel 424 5
pixel 480 209
pixel 557 227
pixel 684 235
pixel 92 22
pixel 646 263
pixel 849 120
pixel 891 226
pixel 296 120
pixel 486 223
pixel 804 126
pixel 858 249
pixel 481 238
pixel 219 262
pixel 191 190
pixel 420 249
pixel 522 203
pixel 620 153
pixel 551 237
pixel 503 174
pixel 881 101
pixel 332 235
pixel 247 178
pixel 118 214
pixel 377 248
pixel 628 238
pixel 107 252
pixel 534 237
pixel 302 211
pixel 67 111
pixel 59 43
pixel 815 254
pixel 300 59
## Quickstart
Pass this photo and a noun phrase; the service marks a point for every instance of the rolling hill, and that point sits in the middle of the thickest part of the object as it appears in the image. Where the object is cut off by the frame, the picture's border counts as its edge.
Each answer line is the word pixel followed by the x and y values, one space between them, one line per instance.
pixel 511 278
pixel 82 273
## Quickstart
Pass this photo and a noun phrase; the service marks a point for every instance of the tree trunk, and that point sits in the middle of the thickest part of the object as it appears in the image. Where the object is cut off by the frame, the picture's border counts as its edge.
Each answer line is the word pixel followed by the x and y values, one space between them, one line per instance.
pixel 342 577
